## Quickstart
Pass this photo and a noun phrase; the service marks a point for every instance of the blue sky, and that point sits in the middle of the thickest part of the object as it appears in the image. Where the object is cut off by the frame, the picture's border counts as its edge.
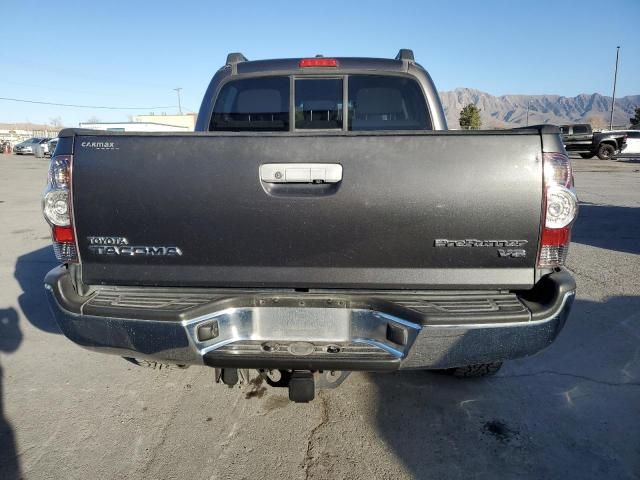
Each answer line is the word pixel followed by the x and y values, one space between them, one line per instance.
pixel 133 53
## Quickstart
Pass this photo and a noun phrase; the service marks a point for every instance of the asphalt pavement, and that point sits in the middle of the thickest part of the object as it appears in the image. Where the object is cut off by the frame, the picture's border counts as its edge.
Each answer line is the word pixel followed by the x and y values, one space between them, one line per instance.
pixel 572 411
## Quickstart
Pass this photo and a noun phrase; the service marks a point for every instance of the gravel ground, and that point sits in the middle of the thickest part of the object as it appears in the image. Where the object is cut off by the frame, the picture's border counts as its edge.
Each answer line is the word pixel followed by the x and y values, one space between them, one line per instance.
pixel 572 411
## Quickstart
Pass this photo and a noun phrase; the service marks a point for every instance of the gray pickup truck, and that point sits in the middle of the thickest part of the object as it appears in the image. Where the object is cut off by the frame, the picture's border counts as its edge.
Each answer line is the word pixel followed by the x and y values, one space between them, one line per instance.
pixel 321 220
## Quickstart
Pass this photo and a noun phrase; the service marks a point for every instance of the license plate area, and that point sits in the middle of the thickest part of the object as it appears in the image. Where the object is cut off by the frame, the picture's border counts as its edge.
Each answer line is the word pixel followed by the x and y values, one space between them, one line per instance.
pixel 308 324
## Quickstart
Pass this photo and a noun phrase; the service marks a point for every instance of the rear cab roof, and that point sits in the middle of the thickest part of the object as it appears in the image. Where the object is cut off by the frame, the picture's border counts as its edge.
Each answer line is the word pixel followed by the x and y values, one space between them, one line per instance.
pixel 344 64
pixel 238 66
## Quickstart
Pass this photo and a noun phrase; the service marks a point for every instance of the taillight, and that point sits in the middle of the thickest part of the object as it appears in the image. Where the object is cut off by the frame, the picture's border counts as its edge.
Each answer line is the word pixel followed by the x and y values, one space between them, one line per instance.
pixel 560 210
pixel 56 206
pixel 318 62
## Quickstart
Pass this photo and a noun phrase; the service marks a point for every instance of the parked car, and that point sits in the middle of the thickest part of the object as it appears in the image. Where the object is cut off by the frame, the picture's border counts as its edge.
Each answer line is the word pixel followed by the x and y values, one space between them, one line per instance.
pixel 51 146
pixel 27 147
pixel 581 139
pixel 632 149
pixel 320 220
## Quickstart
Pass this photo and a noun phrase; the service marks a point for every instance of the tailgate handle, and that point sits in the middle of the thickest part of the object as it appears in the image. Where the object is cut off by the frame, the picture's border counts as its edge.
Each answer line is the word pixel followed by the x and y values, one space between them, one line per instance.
pixel 301 172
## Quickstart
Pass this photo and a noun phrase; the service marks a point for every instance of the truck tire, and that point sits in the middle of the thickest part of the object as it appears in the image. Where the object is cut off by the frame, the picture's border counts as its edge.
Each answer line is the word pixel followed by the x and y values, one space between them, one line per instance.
pixel 475 371
pixel 606 151
pixel 586 155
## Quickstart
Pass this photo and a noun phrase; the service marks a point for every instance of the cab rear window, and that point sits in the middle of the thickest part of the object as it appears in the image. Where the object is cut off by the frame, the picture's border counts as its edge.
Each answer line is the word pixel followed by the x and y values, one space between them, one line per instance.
pixel 318 103
pixel 374 102
pixel 378 102
pixel 253 105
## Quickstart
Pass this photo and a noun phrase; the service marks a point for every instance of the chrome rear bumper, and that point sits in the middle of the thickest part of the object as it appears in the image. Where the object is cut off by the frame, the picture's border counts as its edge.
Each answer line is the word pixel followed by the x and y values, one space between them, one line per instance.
pixel 316 331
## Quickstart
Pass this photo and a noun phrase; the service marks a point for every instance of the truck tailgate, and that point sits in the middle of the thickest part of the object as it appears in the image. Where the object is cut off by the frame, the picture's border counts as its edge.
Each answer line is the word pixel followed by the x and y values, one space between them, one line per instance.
pixel 376 228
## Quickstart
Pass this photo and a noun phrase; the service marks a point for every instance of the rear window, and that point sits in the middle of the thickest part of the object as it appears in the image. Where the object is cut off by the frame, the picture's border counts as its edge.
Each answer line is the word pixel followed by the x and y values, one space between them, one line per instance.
pixel 375 102
pixel 386 103
pixel 252 105
pixel 318 103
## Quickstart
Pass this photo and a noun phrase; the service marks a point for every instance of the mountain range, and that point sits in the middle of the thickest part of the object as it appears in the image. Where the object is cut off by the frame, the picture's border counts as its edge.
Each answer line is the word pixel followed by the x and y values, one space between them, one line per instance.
pixel 509 111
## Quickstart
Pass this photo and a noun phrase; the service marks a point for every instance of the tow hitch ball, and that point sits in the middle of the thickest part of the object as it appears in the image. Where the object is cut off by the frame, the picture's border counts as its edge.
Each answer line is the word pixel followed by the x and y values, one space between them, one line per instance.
pixel 301 383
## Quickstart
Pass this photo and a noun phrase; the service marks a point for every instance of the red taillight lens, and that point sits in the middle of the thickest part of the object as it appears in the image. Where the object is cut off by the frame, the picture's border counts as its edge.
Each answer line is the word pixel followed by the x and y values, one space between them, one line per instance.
pixel 63 234
pixel 556 236
pixel 56 206
pixel 560 208
pixel 318 62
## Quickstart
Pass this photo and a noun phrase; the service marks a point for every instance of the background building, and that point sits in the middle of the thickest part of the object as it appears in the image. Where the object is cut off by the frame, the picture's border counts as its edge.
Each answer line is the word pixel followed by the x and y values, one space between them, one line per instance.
pixel 187 120
pixel 15 133
pixel 148 123
pixel 134 127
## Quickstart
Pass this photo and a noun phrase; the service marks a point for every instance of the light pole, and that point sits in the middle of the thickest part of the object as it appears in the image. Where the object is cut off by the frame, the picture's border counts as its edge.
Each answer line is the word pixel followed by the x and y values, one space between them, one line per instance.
pixel 179 105
pixel 528 105
pixel 615 79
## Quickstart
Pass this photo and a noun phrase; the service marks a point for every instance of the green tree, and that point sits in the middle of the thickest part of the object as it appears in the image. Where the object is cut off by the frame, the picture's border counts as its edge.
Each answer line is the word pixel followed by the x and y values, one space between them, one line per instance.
pixel 636 119
pixel 470 117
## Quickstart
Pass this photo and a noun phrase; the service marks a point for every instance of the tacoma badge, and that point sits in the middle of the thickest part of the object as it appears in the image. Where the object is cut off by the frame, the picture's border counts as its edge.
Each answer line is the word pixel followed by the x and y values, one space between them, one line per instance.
pixel 120 246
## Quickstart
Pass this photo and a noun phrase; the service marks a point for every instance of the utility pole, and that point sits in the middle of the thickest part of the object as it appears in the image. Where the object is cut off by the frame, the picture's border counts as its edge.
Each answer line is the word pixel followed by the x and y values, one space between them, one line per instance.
pixel 528 105
pixel 615 79
pixel 179 104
